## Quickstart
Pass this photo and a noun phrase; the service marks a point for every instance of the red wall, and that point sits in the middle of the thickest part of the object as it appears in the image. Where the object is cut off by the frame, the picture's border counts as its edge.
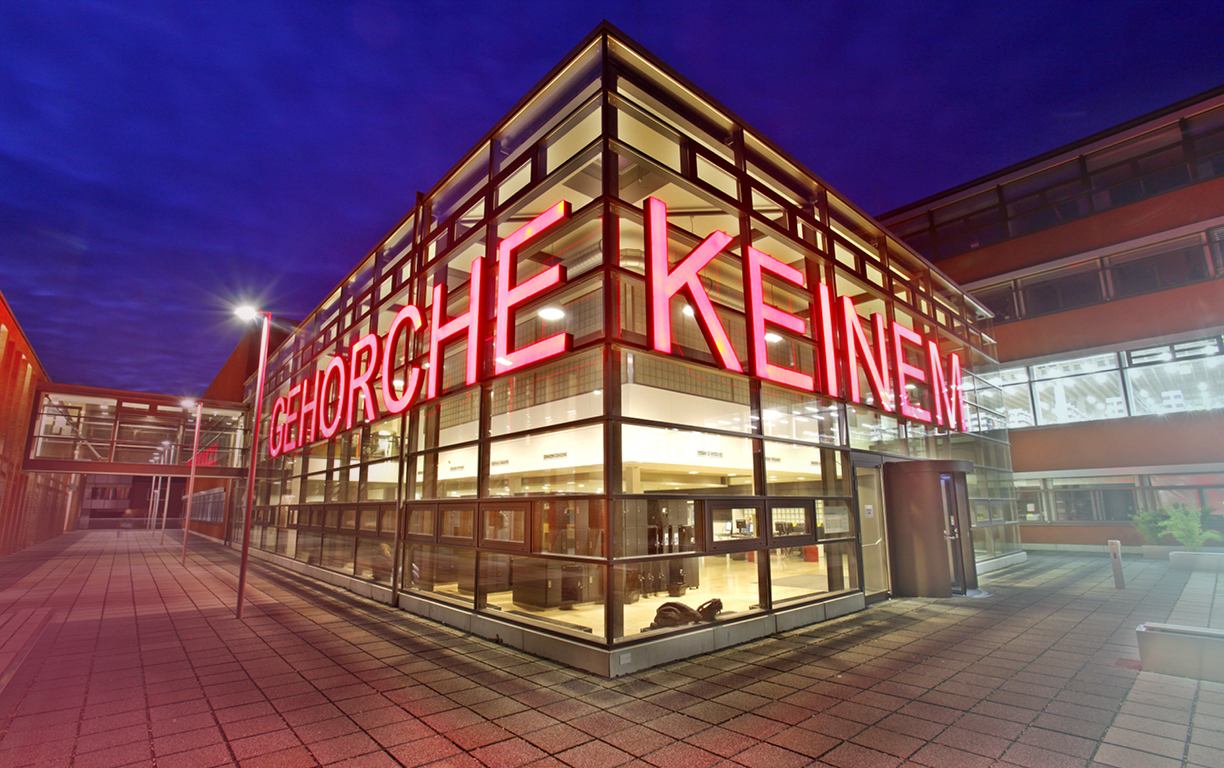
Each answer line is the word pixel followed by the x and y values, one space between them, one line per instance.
pixel 1179 310
pixel 1182 438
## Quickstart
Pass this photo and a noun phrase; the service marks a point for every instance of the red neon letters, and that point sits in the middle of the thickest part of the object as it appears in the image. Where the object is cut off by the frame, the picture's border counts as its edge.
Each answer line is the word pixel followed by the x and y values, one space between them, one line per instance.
pixel 662 285
pixel 344 391
pixel 760 313
pixel 510 296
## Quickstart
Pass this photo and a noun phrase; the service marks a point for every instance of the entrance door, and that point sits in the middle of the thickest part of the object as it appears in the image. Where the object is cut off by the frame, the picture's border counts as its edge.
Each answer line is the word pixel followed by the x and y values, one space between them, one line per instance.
pixel 869 481
pixel 952 533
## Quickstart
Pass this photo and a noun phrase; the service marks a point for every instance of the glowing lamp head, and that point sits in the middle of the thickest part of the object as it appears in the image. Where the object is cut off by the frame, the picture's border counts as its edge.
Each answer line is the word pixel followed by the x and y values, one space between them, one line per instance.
pixel 247 314
pixel 188 403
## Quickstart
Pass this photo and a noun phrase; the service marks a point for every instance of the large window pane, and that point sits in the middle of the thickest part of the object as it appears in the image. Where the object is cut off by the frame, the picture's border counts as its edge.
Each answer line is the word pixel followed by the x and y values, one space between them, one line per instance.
pixel 800 416
pixel 565 461
pixel 446 474
pixel 656 526
pixel 1185 385
pixel 566 390
pixel 444 571
pixel 572 527
pixel 1079 398
pixel 675 460
pixel 801 470
pixel 796 573
pixel 374 560
pixel 562 596
pixel 661 389
pixel 643 587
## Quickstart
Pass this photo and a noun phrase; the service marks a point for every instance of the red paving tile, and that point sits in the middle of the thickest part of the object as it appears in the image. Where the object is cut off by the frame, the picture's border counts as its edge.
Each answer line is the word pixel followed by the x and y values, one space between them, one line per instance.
pixel 136 671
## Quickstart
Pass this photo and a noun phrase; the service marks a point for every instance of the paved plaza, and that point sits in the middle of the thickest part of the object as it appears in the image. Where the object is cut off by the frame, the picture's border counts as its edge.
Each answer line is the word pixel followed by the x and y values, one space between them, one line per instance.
pixel 116 655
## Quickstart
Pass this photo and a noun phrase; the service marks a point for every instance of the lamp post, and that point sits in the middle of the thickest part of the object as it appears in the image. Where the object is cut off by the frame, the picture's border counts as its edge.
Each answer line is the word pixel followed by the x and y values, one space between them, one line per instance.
pixel 248 314
pixel 195 450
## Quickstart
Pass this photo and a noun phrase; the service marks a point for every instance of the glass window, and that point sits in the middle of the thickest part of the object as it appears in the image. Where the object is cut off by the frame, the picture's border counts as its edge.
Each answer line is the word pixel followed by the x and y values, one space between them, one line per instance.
pixel 1080 398
pixel 1018 403
pixel 1066 289
pixel 421 521
pixel 648 136
pixel 564 597
pixel 382 481
pixel 566 390
pixel 833 519
pixel 801 470
pixel 790 520
pixel 457 523
pixel 449 420
pixel 564 461
pixel 804 572
pixel 1173 264
pixel 656 526
pixel 446 474
pixel 338 552
pixel 571 527
pixel 374 560
pixel 558 99
pixel 504 526
pixel 443 571
pixel 658 388
pixel 735 524
pixel 675 460
pixel 1184 385
pixel 873 431
pixel 642 587
pixel 577 132
pixel 384 442
pixel 799 415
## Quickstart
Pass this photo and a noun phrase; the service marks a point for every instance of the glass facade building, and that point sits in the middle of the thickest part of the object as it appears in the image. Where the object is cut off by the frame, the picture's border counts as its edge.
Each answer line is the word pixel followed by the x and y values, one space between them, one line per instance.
pixel 525 441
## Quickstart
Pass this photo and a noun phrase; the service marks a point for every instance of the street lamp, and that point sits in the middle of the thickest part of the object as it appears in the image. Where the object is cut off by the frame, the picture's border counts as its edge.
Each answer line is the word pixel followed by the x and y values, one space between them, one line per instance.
pixel 195 451
pixel 248 314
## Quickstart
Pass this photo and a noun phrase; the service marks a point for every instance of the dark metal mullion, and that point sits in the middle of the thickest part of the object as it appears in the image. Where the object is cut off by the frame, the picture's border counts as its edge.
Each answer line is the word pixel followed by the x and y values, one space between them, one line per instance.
pixel 614 620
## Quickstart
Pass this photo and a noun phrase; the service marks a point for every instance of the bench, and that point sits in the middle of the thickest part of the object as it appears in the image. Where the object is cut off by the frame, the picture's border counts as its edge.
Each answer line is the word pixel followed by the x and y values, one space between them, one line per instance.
pixel 1170 649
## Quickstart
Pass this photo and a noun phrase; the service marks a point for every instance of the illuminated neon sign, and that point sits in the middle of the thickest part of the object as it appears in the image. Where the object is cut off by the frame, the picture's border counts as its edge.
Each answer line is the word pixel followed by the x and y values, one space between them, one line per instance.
pixel 343 393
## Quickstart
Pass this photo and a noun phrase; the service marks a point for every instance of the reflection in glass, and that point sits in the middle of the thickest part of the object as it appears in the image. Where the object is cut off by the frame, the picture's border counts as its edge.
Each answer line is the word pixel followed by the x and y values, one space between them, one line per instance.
pixel 804 572
pixel 444 571
pixel 563 596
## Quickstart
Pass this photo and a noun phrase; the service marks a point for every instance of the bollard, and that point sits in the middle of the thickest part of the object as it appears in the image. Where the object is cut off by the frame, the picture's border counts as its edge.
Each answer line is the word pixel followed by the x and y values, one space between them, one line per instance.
pixel 1115 559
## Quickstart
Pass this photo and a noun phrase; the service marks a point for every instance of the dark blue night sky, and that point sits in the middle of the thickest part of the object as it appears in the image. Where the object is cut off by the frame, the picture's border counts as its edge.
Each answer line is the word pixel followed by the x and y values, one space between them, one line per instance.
pixel 161 160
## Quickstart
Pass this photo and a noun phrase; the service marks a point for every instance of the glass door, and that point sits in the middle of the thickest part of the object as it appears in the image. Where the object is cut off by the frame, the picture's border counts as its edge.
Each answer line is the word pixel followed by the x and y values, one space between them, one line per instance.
pixel 952 533
pixel 877 582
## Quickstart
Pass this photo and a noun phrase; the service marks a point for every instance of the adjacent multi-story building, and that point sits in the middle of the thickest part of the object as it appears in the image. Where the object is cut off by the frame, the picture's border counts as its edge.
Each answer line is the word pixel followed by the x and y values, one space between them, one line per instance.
pixel 1102 261
pixel 34 507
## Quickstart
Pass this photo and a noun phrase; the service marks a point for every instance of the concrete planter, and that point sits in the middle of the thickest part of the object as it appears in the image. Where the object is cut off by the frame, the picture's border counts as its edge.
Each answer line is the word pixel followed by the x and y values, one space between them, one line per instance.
pixel 1197 561
pixel 1158 551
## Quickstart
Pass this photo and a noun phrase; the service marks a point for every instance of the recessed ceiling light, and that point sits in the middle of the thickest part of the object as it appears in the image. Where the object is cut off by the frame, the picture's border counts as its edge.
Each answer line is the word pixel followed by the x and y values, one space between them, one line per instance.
pixel 551 313
pixel 772 338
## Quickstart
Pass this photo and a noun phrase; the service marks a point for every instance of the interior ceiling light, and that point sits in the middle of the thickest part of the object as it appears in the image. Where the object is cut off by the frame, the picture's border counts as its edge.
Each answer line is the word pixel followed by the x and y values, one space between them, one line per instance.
pixel 772 338
pixel 551 313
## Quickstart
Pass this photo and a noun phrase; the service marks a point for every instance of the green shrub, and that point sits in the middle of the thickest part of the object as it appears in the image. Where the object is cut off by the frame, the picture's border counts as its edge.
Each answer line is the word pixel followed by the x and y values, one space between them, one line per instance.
pixel 1186 525
pixel 1149 523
